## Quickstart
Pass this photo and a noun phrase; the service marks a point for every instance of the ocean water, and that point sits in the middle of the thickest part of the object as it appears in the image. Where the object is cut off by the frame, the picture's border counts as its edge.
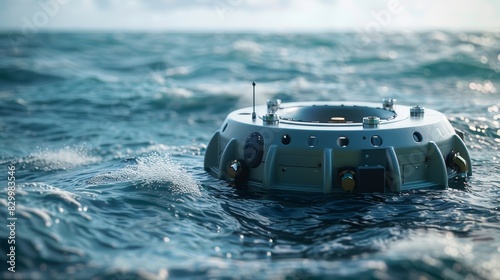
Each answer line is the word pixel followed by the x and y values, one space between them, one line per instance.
pixel 107 134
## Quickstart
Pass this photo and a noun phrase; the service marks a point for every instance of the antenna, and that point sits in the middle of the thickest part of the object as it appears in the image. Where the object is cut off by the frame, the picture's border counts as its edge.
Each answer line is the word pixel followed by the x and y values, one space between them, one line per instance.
pixel 253 113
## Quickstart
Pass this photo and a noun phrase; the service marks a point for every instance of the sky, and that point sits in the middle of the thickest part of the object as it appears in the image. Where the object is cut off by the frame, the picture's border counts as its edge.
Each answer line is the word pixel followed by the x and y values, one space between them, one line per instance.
pixel 251 15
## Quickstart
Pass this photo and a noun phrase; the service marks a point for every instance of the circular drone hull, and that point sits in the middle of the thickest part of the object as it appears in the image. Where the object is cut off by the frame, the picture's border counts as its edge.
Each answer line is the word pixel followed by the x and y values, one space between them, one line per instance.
pixel 337 146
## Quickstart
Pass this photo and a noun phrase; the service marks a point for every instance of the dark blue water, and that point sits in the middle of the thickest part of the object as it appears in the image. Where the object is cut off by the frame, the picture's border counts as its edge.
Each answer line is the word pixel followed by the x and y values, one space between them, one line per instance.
pixel 107 133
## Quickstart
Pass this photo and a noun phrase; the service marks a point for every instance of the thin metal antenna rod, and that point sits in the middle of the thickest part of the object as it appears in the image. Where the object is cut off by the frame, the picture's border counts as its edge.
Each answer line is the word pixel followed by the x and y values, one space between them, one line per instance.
pixel 253 113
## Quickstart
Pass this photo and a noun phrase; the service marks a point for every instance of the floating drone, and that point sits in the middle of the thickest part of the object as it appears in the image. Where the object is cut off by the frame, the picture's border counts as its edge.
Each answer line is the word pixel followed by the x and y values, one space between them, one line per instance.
pixel 327 147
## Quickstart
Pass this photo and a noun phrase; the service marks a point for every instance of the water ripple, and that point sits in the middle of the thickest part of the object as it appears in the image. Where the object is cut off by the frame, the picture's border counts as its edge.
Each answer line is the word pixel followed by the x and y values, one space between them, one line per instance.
pixel 108 132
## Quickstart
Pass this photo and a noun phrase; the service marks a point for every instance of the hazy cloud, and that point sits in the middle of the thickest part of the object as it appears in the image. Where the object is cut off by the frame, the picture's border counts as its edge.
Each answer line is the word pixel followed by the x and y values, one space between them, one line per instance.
pixel 286 15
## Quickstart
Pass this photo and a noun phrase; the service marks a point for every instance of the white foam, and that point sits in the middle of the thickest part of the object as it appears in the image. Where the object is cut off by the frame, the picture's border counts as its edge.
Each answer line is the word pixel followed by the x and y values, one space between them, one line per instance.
pixel 247 46
pixel 153 170
pixel 161 148
pixel 63 158
pixel 181 70
pixel 42 189
pixel 67 196
pixel 180 92
pixel 42 213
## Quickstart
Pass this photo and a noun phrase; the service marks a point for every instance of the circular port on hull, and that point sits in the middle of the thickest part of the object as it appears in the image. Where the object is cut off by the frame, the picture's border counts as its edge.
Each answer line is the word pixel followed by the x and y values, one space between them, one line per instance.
pixel 254 149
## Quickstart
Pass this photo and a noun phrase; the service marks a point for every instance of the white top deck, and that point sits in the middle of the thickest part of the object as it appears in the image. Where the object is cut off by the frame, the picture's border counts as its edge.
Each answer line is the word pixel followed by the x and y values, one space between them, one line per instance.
pixel 401 119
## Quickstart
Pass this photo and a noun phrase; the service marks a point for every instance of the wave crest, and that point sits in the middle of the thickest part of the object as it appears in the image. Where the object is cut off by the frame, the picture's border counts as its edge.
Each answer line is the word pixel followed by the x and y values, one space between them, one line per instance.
pixel 153 170
pixel 49 159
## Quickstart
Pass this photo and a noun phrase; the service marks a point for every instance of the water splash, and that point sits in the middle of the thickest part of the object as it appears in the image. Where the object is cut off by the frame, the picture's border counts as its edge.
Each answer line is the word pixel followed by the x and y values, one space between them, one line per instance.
pixel 49 159
pixel 161 148
pixel 152 170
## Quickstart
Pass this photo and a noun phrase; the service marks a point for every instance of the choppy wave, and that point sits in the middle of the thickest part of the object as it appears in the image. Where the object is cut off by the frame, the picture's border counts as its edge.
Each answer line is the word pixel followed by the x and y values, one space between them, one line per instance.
pixel 107 133
pixel 153 170
pixel 24 76
pixel 49 159
pixel 454 69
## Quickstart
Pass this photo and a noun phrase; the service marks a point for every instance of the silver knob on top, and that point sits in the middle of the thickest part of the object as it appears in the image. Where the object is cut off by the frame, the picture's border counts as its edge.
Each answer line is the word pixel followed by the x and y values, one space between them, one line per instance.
pixel 389 104
pixel 417 111
pixel 273 105
pixel 371 122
